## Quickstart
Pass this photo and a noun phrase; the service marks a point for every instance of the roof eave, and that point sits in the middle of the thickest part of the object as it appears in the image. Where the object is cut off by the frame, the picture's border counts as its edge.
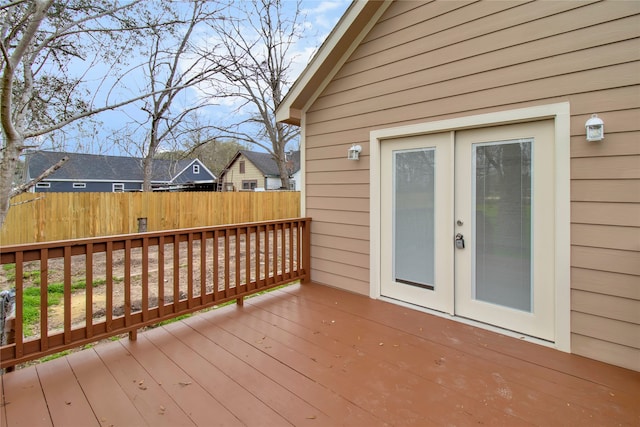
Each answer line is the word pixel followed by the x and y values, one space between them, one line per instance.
pixel 347 33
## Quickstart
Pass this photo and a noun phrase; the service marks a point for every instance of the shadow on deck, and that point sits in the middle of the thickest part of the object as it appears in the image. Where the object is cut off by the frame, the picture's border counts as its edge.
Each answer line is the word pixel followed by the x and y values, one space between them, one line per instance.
pixel 314 355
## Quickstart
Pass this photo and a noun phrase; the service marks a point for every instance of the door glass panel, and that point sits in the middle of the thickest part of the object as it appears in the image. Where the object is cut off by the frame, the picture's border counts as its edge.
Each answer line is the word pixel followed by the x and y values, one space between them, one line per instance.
pixel 502 244
pixel 413 217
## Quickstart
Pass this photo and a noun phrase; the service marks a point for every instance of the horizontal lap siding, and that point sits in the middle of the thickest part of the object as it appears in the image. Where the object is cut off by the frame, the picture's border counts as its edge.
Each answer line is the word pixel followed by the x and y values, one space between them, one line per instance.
pixel 432 61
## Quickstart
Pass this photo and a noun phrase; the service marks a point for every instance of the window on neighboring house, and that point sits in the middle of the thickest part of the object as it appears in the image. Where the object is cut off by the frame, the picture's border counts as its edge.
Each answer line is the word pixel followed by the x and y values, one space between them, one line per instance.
pixel 249 184
pixel 43 185
pixel 79 185
pixel 196 169
pixel 242 166
pixel 118 187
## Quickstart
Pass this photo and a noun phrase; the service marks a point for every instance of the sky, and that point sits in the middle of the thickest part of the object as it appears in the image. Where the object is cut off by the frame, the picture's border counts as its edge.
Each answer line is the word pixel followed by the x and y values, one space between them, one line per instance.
pixel 321 17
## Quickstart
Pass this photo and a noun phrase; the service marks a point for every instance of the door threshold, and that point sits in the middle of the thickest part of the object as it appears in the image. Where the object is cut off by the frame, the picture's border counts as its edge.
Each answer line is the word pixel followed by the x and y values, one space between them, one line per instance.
pixel 471 322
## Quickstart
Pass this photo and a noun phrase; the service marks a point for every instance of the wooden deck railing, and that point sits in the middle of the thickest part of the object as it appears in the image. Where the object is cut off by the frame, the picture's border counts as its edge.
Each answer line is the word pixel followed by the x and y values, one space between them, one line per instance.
pixel 118 284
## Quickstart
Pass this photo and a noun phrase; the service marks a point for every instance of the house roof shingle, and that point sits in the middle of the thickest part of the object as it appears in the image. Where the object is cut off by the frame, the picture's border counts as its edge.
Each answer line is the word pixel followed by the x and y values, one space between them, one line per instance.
pixel 266 163
pixel 92 167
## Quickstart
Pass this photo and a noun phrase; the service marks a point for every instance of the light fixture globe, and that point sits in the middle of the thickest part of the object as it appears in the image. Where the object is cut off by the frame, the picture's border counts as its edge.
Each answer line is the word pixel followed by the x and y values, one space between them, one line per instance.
pixel 354 152
pixel 594 128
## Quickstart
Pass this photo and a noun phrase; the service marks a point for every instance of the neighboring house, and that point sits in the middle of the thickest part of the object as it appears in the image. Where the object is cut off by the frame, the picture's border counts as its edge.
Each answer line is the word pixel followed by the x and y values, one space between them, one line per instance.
pixel 256 171
pixel 477 195
pixel 99 173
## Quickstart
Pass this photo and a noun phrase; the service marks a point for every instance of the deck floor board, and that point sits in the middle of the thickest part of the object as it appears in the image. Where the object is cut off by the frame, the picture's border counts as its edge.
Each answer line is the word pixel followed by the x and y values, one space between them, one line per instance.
pixel 310 355
pixel 65 399
pixel 526 386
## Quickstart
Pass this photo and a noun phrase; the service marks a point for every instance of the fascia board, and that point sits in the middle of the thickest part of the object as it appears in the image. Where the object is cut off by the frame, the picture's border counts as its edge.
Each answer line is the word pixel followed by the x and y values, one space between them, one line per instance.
pixel 315 74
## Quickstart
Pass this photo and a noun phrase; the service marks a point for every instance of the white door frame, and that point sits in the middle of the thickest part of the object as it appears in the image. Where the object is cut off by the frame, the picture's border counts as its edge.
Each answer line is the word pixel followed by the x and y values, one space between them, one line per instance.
pixel 560 113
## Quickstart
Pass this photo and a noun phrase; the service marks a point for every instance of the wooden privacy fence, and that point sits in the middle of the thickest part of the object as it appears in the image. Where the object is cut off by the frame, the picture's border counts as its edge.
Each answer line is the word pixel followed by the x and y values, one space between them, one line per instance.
pixel 112 285
pixel 45 217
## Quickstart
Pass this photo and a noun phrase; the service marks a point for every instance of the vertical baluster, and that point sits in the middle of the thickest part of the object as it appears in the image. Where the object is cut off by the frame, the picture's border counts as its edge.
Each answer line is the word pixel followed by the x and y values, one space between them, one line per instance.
pixel 145 279
pixel 227 291
pixel 258 255
pixel 160 276
pixel 216 265
pixel 190 270
pixel 44 299
pixel 267 249
pixel 275 253
pixel 247 258
pixel 203 267
pixel 67 294
pixel 237 261
pixel 89 290
pixel 283 248
pixel 291 226
pixel 18 322
pixel 176 272
pixel 127 282
pixel 109 296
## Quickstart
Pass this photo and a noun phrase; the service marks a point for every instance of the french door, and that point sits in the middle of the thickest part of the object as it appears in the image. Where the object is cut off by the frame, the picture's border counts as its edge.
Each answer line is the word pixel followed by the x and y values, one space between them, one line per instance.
pixel 467 224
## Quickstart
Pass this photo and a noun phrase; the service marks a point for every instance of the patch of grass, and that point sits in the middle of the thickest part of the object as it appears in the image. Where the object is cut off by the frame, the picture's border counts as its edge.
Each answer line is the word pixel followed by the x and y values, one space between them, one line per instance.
pixel 54 356
pixel 10 271
pixel 175 319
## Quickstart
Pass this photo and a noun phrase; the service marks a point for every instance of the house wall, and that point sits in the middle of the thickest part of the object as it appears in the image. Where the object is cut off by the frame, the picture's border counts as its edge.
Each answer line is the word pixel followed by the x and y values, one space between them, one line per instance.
pixel 424 62
pixel 91 187
pixel 251 172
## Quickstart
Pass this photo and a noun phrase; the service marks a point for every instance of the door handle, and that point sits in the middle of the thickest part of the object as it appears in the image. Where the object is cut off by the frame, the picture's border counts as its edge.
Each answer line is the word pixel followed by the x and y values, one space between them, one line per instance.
pixel 459 241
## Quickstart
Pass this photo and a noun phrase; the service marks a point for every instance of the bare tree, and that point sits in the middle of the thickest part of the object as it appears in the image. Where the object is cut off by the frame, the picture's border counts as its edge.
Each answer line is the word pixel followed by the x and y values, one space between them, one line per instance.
pixel 173 69
pixel 255 43
pixel 40 42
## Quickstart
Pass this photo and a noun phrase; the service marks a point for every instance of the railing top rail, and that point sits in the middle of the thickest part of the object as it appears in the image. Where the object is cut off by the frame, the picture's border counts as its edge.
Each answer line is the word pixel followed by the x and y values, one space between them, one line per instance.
pixel 150 234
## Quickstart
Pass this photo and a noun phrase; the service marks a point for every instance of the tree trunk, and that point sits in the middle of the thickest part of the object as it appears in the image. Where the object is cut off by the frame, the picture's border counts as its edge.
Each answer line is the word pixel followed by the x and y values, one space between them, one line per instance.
pixel 10 159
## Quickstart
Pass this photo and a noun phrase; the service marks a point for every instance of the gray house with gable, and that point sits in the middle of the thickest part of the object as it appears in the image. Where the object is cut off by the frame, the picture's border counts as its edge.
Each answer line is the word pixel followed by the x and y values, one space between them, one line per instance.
pixel 101 173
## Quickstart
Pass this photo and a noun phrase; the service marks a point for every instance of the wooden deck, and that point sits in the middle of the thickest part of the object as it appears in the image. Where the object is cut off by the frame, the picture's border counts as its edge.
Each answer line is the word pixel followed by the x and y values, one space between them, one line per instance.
pixel 310 355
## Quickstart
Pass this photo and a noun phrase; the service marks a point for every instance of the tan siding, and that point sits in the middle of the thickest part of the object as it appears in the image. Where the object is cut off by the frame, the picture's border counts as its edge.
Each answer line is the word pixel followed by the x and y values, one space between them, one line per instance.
pixel 344 230
pixel 604 282
pixel 612 260
pixel 606 236
pixel 625 214
pixel 344 270
pixel 339 217
pixel 618 167
pixel 621 355
pixel 341 177
pixel 250 173
pixel 611 307
pixel 618 144
pixel 343 243
pixel 614 331
pixel 620 190
pixel 394 109
pixel 441 60
pixel 335 203
pixel 339 281
pixel 342 190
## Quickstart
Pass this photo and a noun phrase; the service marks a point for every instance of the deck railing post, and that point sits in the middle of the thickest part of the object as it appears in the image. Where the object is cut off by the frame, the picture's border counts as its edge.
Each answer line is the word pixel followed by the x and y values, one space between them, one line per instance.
pixel 306 250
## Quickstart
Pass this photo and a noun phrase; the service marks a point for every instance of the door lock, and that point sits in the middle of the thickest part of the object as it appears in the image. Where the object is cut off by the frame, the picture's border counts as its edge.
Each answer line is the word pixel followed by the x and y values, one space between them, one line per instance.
pixel 459 241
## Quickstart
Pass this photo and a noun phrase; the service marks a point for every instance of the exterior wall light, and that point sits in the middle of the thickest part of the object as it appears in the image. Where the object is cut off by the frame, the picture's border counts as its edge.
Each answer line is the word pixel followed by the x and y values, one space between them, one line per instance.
pixel 595 128
pixel 354 152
